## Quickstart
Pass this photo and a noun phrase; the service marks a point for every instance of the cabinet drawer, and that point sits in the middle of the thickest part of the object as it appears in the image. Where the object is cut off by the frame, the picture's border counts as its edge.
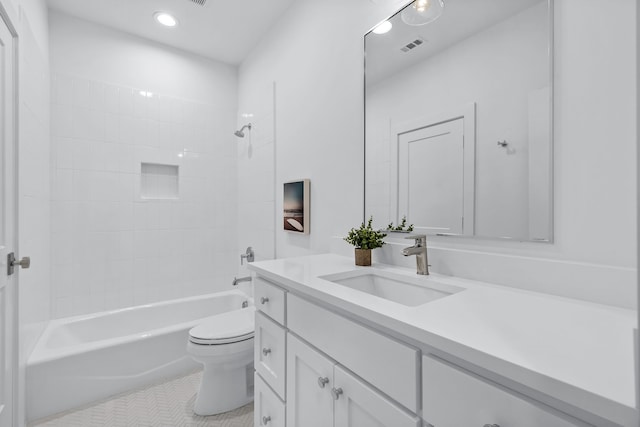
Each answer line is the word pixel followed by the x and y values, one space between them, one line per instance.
pixel 385 363
pixel 269 299
pixel 268 409
pixel 453 398
pixel 270 352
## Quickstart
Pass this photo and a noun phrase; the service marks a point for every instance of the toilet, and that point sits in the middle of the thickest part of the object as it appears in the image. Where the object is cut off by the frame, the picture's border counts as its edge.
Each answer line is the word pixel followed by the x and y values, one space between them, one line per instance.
pixel 224 345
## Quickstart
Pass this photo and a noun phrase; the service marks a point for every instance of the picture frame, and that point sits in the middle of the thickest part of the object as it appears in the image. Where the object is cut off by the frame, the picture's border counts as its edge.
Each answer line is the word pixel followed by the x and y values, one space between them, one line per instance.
pixel 295 206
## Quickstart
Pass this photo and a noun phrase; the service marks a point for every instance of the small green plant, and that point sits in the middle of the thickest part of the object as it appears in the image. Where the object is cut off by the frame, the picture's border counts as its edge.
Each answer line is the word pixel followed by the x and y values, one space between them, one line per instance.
pixel 365 237
pixel 401 226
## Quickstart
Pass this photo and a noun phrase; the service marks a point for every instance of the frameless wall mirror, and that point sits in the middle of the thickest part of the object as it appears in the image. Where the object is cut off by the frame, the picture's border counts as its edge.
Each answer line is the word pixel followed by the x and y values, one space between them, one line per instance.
pixel 458 106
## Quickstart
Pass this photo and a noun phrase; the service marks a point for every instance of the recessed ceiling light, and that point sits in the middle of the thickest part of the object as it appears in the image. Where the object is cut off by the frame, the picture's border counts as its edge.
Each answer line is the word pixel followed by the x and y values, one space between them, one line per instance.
pixel 383 27
pixel 165 19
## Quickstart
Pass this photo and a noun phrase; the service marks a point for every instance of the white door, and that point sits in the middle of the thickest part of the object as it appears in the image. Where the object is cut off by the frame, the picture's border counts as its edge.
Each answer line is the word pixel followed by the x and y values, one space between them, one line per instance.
pixel 8 283
pixel 431 177
pixel 358 405
pixel 309 384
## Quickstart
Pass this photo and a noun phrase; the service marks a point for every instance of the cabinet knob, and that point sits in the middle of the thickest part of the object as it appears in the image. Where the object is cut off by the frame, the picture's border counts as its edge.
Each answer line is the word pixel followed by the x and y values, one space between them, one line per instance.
pixel 264 300
pixel 322 381
pixel 336 392
pixel 266 351
pixel 265 420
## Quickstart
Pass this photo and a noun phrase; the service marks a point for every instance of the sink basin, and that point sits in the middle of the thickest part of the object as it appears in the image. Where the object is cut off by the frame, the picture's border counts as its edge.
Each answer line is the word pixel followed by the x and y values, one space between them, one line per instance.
pixel 400 289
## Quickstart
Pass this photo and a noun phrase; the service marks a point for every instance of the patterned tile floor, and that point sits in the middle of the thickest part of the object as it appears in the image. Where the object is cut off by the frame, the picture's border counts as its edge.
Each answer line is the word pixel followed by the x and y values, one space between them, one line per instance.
pixel 168 404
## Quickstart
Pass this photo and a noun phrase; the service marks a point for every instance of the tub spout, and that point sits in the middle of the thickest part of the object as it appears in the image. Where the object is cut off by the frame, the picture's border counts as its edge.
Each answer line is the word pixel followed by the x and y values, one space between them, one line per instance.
pixel 237 280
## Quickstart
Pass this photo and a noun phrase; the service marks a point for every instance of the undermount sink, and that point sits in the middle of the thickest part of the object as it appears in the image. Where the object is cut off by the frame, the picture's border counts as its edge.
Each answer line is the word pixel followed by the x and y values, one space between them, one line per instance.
pixel 400 289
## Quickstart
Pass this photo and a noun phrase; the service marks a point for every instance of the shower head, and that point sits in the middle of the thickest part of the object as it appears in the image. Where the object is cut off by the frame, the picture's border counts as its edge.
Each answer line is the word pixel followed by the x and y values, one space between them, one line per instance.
pixel 240 133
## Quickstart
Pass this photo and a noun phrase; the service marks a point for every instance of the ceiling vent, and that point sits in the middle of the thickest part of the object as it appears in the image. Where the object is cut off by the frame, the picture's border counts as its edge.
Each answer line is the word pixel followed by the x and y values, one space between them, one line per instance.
pixel 199 2
pixel 413 44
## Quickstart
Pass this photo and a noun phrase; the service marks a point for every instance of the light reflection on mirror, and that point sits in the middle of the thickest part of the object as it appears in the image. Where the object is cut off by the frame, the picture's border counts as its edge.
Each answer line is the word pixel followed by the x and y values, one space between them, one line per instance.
pixel 458 121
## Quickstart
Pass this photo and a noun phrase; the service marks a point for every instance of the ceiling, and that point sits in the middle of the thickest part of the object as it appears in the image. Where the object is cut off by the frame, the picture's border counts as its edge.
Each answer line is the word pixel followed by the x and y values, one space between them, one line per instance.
pixel 460 19
pixel 225 30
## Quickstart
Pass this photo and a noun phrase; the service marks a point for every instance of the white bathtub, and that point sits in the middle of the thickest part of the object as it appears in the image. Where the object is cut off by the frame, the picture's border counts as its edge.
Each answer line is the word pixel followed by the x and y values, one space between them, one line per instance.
pixel 86 358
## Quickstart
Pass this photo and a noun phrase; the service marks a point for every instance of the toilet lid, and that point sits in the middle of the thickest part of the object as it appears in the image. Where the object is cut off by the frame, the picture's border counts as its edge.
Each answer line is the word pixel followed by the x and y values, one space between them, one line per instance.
pixel 232 326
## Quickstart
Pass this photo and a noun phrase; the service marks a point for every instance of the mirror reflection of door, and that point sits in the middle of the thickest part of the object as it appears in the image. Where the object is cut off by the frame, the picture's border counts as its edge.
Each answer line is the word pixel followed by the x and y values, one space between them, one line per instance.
pixel 430 177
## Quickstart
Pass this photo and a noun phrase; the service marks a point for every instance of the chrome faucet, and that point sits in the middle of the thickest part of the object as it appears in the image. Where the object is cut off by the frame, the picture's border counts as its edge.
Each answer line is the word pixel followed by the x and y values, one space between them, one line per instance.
pixel 237 280
pixel 419 249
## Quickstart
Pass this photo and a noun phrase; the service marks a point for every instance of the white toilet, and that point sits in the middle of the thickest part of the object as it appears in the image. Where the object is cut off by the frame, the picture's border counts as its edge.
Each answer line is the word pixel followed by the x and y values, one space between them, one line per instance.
pixel 224 345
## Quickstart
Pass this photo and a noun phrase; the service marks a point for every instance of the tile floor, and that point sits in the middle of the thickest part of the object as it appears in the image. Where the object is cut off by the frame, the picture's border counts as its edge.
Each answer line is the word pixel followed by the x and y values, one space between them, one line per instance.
pixel 168 404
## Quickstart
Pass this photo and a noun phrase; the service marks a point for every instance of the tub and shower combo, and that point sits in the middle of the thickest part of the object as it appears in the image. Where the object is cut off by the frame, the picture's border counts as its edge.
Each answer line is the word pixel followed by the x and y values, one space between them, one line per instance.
pixel 82 359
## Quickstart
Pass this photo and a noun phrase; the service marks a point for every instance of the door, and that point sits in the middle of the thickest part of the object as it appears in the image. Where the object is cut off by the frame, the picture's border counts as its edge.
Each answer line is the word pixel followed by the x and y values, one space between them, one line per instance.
pixel 8 284
pixel 358 405
pixel 431 177
pixel 309 384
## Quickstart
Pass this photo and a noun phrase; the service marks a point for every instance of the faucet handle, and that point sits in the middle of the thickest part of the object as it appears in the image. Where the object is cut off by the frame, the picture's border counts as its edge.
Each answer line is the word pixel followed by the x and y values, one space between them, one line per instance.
pixel 421 239
pixel 249 255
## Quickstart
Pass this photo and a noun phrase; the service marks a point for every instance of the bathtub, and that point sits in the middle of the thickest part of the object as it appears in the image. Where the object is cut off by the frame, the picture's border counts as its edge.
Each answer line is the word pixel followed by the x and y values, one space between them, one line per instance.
pixel 86 358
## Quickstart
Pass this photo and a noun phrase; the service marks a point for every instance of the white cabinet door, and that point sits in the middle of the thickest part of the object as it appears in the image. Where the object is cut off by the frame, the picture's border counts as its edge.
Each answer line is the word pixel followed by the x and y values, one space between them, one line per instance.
pixel 309 383
pixel 455 398
pixel 268 409
pixel 357 405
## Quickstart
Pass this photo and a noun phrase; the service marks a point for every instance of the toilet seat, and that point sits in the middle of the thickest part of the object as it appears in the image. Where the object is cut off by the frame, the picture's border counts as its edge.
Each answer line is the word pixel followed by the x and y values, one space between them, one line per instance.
pixel 226 328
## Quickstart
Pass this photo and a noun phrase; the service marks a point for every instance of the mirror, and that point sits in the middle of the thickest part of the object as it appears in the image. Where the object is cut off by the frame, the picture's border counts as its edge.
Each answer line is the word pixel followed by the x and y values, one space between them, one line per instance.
pixel 458 134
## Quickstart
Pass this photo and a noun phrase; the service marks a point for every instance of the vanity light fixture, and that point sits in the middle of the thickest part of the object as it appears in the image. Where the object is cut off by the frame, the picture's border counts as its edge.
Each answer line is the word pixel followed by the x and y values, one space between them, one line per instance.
pixel 383 27
pixel 165 19
pixel 422 12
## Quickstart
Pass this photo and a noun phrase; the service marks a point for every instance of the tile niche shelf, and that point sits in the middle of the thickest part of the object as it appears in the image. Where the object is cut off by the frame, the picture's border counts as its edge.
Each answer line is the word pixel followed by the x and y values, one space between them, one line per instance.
pixel 159 182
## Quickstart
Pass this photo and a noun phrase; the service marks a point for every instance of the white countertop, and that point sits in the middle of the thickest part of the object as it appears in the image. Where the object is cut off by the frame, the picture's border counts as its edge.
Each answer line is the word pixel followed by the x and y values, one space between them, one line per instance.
pixel 577 352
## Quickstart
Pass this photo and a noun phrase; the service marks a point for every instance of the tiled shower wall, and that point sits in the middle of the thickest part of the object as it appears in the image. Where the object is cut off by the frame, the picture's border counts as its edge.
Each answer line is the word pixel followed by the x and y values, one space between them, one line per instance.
pixel 111 247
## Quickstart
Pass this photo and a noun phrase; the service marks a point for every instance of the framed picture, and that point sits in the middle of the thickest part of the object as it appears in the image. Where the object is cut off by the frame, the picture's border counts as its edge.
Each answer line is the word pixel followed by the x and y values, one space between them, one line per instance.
pixel 296 206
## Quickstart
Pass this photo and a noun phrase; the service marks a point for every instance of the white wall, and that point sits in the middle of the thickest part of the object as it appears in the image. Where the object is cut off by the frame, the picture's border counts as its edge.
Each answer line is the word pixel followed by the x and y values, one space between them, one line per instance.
pixel 314 54
pixel 256 169
pixel 319 134
pixel 111 248
pixel 510 55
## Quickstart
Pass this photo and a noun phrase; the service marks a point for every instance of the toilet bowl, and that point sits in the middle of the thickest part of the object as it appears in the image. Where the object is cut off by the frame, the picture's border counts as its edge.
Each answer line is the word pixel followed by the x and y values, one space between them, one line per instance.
pixel 224 345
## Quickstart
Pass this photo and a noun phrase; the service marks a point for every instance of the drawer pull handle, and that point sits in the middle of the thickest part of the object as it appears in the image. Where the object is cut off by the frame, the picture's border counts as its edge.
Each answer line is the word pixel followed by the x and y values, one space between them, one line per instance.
pixel 336 392
pixel 322 381
pixel 266 351
pixel 264 300
pixel 265 420
pixel 491 425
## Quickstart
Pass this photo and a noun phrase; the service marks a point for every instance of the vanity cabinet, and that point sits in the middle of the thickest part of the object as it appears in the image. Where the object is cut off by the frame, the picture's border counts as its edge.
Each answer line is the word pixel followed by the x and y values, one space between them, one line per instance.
pixel 269 352
pixel 453 397
pixel 268 410
pixel 315 367
pixel 321 393
pixel 388 364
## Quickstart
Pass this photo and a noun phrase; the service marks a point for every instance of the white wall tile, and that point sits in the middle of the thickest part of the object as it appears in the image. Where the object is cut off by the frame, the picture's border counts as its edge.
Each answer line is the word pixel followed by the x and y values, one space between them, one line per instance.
pixel 110 247
pixel 111 99
pixel 62 120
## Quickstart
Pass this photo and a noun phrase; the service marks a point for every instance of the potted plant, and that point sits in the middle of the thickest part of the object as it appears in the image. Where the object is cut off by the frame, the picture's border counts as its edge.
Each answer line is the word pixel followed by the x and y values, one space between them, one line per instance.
pixel 364 239
pixel 400 228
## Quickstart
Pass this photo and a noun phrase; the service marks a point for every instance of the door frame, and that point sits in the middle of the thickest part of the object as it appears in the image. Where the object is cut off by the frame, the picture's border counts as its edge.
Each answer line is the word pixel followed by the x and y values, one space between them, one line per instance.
pixel 9 16
pixel 466 112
